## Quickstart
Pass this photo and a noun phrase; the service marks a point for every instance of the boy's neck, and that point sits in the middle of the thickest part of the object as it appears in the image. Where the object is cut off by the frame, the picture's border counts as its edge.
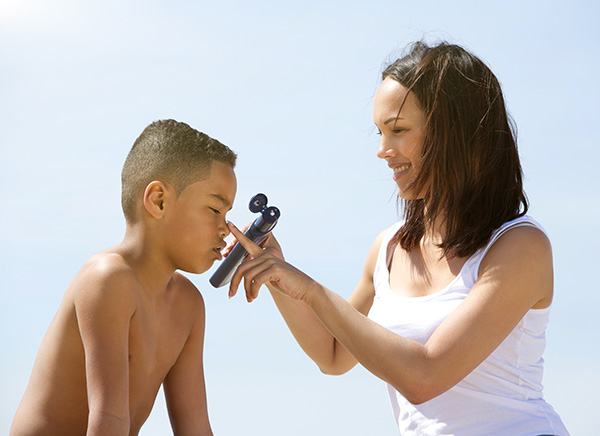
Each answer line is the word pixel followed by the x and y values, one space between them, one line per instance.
pixel 144 254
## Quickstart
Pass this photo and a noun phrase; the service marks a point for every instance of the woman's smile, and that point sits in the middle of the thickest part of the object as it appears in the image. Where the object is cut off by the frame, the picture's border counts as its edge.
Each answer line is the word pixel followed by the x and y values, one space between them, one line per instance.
pixel 399 169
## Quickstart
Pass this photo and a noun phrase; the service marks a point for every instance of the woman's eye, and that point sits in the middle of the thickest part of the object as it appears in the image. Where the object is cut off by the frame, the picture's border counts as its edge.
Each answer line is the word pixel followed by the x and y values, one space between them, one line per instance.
pixel 396 131
pixel 217 211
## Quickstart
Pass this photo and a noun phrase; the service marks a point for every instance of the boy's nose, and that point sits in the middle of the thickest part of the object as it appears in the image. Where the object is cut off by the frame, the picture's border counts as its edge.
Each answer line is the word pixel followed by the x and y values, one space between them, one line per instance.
pixel 224 231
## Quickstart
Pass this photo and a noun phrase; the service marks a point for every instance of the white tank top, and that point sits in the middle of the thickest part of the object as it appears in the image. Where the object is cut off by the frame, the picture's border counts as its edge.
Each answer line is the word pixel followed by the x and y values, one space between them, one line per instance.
pixel 503 395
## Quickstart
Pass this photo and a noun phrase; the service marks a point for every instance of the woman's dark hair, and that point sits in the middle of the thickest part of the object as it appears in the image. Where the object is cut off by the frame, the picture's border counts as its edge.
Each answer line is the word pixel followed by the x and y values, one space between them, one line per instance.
pixel 470 172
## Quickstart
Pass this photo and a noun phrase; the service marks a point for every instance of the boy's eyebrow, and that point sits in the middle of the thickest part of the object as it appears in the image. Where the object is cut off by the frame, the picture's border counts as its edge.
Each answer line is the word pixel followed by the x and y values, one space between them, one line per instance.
pixel 221 199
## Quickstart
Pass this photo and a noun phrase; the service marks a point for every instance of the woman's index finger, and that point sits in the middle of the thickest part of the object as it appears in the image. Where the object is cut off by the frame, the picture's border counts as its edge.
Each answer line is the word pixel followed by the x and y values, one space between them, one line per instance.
pixel 252 249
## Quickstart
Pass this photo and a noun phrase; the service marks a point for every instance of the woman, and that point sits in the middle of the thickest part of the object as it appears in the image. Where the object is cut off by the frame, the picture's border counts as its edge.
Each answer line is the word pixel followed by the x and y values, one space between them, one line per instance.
pixel 453 303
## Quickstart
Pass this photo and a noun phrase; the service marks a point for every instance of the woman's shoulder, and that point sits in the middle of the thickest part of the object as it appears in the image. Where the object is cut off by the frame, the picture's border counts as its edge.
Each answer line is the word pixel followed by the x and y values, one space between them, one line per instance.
pixel 389 232
pixel 522 221
pixel 385 236
pixel 522 256
pixel 520 230
pixel 523 235
pixel 380 243
pixel 517 239
pixel 522 240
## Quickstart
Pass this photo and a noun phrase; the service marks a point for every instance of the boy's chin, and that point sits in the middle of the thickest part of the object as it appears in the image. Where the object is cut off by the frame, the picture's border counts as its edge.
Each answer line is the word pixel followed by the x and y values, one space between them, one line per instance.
pixel 201 269
pixel 198 269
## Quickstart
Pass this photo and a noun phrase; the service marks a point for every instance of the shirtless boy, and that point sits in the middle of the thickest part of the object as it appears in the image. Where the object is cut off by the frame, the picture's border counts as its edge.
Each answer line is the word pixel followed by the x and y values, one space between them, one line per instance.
pixel 128 321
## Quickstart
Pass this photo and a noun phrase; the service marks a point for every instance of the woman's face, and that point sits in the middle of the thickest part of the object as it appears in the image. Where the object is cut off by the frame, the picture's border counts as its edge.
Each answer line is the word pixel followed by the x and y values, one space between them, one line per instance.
pixel 402 133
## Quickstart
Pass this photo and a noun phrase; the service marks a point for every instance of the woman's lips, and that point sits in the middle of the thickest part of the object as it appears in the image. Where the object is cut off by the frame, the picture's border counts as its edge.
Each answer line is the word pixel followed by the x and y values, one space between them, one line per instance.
pixel 399 169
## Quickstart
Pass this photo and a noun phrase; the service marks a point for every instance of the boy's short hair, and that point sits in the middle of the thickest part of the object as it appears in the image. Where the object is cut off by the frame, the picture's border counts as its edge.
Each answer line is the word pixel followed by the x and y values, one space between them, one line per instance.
pixel 172 152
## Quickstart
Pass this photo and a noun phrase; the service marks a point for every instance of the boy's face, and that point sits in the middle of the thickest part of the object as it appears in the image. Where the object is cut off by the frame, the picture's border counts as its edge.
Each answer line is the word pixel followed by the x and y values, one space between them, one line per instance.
pixel 195 225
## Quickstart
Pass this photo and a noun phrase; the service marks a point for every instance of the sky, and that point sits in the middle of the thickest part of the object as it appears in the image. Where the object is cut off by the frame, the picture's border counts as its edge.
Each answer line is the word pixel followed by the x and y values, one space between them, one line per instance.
pixel 289 87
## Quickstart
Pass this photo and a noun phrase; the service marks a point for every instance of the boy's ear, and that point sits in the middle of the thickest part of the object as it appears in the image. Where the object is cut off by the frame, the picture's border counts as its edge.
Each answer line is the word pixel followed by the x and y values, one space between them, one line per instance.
pixel 155 195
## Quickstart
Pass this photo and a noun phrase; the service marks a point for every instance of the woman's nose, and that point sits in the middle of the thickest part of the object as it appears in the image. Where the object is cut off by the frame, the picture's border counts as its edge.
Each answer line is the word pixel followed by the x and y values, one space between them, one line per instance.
pixel 385 150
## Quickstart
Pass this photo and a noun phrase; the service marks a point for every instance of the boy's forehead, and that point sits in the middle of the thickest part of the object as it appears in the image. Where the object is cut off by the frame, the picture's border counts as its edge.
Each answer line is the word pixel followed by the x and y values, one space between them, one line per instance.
pixel 219 197
pixel 220 185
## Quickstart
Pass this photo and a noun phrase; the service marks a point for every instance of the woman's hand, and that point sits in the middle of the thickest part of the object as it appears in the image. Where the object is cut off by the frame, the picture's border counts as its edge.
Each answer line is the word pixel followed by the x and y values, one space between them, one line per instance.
pixel 231 243
pixel 265 266
pixel 270 243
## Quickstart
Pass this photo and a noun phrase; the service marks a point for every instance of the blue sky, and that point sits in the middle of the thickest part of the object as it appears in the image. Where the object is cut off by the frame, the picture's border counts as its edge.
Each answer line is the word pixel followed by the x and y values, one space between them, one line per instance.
pixel 289 86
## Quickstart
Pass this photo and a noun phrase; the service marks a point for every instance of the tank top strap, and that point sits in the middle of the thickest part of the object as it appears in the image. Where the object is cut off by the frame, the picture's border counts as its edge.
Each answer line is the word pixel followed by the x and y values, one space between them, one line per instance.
pixel 471 268
pixel 381 273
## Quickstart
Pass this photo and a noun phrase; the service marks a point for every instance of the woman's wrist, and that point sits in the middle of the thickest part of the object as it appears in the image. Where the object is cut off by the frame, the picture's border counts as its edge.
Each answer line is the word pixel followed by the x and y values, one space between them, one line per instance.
pixel 314 292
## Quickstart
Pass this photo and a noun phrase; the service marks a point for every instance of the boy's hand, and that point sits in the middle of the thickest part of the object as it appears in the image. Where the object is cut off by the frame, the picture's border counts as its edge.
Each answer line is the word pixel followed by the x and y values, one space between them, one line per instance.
pixel 266 266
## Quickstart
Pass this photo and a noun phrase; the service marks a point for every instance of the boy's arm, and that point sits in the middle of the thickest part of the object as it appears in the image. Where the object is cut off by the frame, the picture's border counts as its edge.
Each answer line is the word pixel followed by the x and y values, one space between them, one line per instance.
pixel 184 387
pixel 104 306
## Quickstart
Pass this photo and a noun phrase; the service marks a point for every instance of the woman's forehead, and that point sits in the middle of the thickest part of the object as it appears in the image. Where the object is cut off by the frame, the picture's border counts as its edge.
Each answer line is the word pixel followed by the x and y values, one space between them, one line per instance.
pixel 393 96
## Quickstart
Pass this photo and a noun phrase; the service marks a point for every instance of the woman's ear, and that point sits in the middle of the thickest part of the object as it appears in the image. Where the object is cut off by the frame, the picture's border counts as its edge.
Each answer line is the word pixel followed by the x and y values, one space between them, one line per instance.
pixel 154 199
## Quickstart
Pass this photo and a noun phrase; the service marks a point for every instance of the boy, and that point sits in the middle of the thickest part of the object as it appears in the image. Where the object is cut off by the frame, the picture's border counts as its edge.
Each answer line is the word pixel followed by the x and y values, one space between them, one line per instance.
pixel 128 321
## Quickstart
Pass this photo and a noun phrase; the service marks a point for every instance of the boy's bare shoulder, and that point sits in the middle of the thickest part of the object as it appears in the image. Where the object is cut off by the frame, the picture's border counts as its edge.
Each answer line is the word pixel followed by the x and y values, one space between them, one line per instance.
pixel 106 273
pixel 186 290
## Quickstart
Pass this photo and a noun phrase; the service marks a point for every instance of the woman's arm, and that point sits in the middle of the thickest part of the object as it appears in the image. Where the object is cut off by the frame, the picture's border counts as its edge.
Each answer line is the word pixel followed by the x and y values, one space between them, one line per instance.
pixel 515 275
pixel 310 333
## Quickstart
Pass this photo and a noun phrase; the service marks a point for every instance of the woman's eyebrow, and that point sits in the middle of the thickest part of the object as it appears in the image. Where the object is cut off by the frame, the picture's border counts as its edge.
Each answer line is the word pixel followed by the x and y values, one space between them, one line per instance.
pixel 392 119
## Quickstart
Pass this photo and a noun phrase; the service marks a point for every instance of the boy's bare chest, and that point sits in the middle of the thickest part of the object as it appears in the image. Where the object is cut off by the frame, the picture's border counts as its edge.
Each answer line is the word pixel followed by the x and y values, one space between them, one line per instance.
pixel 156 338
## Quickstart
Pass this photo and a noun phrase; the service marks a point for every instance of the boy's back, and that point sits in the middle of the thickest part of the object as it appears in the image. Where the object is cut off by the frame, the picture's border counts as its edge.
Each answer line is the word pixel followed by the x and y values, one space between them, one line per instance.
pixel 128 322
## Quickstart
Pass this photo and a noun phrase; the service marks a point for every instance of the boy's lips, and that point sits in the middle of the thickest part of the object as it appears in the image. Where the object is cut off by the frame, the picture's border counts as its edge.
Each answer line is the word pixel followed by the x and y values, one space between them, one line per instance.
pixel 218 250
